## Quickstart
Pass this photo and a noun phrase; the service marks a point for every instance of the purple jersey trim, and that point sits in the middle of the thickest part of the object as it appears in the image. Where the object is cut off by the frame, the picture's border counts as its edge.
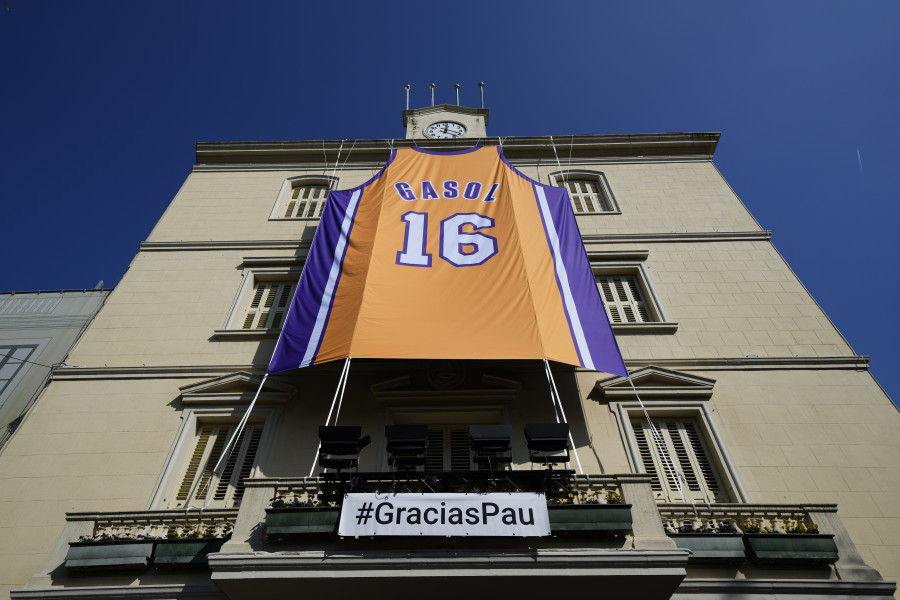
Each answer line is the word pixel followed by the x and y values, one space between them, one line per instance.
pixel 515 170
pixel 466 151
pixel 591 314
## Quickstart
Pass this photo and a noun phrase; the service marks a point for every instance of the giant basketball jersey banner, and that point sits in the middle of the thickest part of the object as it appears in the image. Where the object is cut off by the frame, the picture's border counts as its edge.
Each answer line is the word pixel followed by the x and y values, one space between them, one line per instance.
pixel 448 255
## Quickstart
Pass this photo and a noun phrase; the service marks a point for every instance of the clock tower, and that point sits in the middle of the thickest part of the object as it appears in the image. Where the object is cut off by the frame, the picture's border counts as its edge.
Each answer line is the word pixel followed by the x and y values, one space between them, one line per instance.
pixel 445 121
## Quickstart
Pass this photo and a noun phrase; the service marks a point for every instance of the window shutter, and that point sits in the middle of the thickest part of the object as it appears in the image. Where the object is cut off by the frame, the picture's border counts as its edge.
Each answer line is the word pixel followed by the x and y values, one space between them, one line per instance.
pixel 586 194
pixel 434 456
pixel 307 201
pixel 624 299
pixel 205 479
pixel 268 305
pixel 194 465
pixel 686 451
pixel 448 449
pixel 460 458
pixel 646 454
pixel 211 441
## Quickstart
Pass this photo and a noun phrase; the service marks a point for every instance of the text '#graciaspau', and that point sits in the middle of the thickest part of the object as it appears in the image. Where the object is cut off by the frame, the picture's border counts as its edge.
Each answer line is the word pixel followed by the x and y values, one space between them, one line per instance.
pixel 386 513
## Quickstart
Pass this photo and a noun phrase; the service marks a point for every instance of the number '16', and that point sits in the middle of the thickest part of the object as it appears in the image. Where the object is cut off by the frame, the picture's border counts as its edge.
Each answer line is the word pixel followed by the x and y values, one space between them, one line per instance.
pixel 459 248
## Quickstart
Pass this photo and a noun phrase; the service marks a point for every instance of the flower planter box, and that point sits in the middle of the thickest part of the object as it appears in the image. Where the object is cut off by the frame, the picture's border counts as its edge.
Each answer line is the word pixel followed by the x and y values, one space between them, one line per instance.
pixel 100 555
pixel 288 521
pixel 185 551
pixel 796 547
pixel 711 546
pixel 589 517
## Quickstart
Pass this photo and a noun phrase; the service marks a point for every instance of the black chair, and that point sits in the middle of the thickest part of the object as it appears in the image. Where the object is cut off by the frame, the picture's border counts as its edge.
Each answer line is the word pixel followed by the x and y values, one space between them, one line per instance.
pixel 491 445
pixel 548 443
pixel 340 446
pixel 406 446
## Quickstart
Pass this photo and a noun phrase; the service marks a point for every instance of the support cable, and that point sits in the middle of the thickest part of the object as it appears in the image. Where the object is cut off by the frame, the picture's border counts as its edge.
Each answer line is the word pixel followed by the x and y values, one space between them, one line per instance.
pixel 674 473
pixel 338 397
pixel 555 393
pixel 230 446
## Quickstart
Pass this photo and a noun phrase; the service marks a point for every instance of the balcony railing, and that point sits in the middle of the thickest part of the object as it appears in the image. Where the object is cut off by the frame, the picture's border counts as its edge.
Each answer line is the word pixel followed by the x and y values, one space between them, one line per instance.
pixel 771 521
pixel 563 487
pixel 766 518
pixel 155 523
pixel 649 525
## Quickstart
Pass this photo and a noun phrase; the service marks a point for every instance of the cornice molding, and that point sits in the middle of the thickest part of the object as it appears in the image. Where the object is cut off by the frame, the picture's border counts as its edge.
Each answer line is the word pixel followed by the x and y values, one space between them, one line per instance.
pixel 320 152
pixel 272 261
pixel 780 588
pixel 680 236
pixel 161 372
pixel 612 238
pixel 186 591
pixel 667 327
pixel 226 245
pixel 774 363
pixel 443 108
pixel 608 255
pixel 246 334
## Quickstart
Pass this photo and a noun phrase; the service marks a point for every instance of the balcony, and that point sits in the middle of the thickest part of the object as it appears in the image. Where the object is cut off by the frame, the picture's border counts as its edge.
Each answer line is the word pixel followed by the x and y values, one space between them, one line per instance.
pixel 607 531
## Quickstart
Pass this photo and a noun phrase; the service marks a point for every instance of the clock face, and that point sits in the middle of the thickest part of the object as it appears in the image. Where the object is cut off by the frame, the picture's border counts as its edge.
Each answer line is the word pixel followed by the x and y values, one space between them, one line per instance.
pixel 444 130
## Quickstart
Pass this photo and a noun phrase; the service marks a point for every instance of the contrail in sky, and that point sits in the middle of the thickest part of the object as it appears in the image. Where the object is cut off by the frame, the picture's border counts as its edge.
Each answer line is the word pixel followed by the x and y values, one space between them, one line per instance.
pixel 859 158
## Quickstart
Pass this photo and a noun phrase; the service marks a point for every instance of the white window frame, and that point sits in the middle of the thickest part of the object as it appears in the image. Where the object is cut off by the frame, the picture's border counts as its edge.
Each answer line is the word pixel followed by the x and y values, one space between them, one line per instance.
pixel 15 366
pixel 167 487
pixel 564 178
pixel 657 323
pixel 700 413
pixel 234 322
pixel 284 199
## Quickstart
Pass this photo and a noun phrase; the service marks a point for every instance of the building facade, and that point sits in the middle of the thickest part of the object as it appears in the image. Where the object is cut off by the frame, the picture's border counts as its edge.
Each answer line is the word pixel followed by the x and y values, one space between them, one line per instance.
pixel 747 412
pixel 37 330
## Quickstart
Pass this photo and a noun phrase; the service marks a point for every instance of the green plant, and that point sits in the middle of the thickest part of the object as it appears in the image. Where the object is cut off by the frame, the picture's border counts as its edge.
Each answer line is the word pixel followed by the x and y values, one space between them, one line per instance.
pixel 748 527
pixel 569 498
pixel 589 498
pixel 724 527
pixel 613 498
pixel 798 527
pixel 112 537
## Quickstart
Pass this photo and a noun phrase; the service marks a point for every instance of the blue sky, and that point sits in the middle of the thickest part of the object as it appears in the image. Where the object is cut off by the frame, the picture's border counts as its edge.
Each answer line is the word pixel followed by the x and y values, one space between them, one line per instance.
pixel 102 103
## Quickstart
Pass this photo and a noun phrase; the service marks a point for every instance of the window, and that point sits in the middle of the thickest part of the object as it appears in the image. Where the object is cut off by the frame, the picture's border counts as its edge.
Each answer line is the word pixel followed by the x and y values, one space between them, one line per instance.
pixel 679 451
pixel 263 298
pixel 448 448
pixel 303 197
pixel 624 299
pixel 12 359
pixel 199 484
pixel 268 305
pixel 588 190
pixel 677 403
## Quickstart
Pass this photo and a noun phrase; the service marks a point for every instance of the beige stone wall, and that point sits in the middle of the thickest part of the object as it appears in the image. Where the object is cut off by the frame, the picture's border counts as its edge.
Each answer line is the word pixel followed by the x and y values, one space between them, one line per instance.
pixel 661 198
pixel 798 436
pixel 730 299
pixel 86 445
pixel 236 205
pixel 827 436
pixel 166 310
pixel 655 198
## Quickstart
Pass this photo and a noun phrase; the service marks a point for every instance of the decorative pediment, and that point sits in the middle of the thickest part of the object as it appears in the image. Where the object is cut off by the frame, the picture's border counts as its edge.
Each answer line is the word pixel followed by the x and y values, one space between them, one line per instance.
pixel 237 388
pixel 655 383
pixel 445 381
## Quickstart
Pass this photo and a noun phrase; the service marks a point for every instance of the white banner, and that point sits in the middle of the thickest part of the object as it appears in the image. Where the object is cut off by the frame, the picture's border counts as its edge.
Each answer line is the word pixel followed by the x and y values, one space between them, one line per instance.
pixel 504 514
